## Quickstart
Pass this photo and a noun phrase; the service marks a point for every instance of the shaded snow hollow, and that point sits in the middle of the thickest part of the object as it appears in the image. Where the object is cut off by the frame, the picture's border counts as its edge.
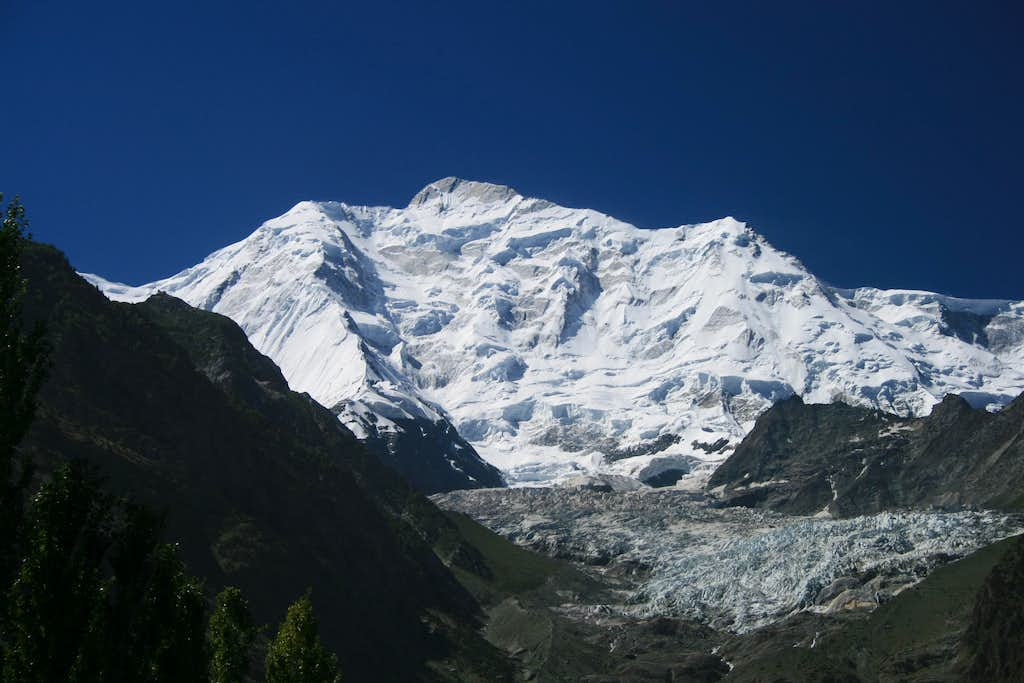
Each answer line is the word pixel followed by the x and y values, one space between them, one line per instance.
pixel 562 340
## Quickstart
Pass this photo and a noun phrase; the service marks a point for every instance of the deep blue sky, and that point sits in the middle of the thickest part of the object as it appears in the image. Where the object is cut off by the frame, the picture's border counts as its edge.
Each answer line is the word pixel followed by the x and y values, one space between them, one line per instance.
pixel 882 143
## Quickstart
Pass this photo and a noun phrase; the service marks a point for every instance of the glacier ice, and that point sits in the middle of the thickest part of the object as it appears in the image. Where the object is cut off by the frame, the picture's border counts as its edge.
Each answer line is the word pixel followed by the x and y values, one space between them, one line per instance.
pixel 734 568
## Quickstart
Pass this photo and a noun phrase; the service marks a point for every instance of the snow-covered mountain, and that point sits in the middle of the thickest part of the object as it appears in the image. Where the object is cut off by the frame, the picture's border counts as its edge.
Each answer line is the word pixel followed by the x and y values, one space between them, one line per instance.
pixel 558 339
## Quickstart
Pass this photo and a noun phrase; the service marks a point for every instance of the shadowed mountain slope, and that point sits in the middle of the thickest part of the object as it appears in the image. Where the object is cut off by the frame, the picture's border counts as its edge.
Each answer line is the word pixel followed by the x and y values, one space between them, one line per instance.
pixel 993 646
pixel 263 487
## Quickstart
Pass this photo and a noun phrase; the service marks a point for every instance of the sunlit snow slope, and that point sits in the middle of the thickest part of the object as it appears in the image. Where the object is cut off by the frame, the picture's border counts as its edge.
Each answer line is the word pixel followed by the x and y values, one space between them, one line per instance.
pixel 560 339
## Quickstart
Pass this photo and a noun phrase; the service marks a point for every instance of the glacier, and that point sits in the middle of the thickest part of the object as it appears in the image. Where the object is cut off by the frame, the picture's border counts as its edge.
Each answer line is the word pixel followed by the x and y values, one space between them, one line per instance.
pixel 737 569
pixel 561 341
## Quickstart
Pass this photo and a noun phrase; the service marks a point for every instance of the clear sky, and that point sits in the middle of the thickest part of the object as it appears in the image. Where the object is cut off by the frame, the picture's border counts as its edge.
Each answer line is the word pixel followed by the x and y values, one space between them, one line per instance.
pixel 880 142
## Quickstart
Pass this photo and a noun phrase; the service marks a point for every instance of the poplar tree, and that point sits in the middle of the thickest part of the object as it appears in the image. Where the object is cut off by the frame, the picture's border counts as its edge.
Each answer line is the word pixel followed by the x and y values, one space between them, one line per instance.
pixel 296 654
pixel 231 635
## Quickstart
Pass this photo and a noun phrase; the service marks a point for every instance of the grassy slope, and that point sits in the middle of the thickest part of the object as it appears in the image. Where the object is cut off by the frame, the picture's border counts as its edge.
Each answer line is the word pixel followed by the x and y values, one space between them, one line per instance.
pixel 993 647
pixel 512 570
pixel 518 589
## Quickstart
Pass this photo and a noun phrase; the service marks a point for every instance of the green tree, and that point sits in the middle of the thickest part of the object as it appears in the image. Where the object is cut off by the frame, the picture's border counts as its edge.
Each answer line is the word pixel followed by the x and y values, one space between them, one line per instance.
pixel 158 612
pixel 23 358
pixel 230 635
pixel 22 353
pixel 97 595
pixel 57 604
pixel 296 654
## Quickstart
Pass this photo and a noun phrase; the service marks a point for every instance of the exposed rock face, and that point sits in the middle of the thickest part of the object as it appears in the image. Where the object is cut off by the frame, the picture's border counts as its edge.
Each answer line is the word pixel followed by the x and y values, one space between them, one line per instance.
pixel 845 460
pixel 429 453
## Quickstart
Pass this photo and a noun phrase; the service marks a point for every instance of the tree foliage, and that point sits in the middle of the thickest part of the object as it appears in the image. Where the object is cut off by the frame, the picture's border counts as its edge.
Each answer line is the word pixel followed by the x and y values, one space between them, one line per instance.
pixel 57 604
pixel 231 635
pixel 23 357
pixel 22 353
pixel 97 595
pixel 296 654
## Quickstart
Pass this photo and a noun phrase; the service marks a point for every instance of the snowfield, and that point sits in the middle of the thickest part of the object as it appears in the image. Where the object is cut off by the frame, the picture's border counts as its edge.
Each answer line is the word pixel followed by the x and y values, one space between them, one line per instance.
pixel 561 340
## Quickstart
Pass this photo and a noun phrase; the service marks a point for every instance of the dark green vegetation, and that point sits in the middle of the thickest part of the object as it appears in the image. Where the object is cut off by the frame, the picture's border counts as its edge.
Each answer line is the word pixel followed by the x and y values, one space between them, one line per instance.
pixel 231 634
pixel 264 488
pixel 22 364
pixel 296 654
pixel 994 644
pixel 22 352
pixel 508 569
pixel 97 596
pixel 801 458
pixel 960 623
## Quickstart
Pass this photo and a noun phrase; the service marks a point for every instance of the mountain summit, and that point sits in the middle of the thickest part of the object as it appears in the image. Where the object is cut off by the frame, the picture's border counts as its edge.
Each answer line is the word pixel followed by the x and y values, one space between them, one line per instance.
pixel 452 190
pixel 555 340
